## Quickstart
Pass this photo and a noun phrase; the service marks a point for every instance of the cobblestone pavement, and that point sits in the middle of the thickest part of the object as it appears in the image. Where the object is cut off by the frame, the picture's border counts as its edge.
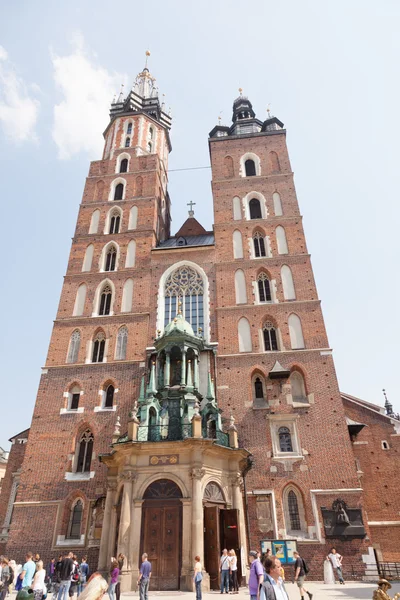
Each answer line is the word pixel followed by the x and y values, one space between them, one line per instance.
pixel 350 591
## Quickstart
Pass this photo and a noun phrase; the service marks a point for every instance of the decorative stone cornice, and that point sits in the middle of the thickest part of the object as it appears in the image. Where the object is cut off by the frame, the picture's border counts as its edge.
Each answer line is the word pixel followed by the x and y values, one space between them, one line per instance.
pixel 197 473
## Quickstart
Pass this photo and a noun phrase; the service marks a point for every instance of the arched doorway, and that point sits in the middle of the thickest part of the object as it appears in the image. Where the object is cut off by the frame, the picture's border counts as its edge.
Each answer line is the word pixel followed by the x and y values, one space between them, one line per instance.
pixel 161 534
pixel 221 530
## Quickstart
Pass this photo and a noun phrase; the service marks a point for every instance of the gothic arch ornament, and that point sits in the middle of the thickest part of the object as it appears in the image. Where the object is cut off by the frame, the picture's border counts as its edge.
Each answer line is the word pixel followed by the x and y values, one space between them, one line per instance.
pixel 213 493
pixel 191 278
pixel 162 489
pixel 144 485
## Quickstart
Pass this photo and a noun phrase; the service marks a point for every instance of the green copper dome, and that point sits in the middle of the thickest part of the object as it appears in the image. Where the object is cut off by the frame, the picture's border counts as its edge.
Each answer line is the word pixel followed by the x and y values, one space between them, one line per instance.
pixel 179 325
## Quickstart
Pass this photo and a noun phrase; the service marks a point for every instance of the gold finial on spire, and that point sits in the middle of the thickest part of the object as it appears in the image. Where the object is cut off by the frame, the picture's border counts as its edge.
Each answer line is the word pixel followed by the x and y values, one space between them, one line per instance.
pixel 240 91
pixel 147 56
pixel 179 306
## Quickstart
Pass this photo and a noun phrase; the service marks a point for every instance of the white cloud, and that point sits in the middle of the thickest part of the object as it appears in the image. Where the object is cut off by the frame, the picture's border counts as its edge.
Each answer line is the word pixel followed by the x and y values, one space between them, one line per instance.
pixel 82 115
pixel 18 108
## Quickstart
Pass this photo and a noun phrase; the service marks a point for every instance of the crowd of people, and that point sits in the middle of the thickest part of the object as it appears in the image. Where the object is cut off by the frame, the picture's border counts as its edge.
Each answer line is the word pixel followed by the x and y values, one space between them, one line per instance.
pixel 63 578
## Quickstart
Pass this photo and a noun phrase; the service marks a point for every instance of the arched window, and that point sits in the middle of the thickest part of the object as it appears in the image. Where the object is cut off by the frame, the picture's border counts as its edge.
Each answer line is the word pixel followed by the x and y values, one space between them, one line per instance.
pixel 123 167
pixel 277 204
pixel 186 284
pixel 255 209
pixel 75 521
pixel 109 397
pixel 259 245
pixel 127 144
pixel 270 337
pixel 295 332
pixel 258 389
pixel 94 221
pixel 294 515
pixel 130 255
pixel 105 301
pixel 250 167
pixel 281 240
pixel 264 288
pixel 111 258
pixel 119 191
pixel 287 283
pixel 244 336
pixel 298 387
pixel 240 287
pixel 115 221
pixel 85 452
pixel 237 209
pixel 132 224
pixel 274 161
pixel 129 129
pixel 74 345
pixel 285 439
pixel 127 296
pixel 151 133
pixel 87 261
pixel 74 396
pixel 237 244
pixel 79 305
pixel 122 340
pixel 228 166
pixel 99 345
pixel 149 147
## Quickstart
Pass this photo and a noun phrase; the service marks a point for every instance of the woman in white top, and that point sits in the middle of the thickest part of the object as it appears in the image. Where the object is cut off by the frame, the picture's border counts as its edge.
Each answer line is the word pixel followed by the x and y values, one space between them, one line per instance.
pixel 233 571
pixel 198 576
pixel 38 581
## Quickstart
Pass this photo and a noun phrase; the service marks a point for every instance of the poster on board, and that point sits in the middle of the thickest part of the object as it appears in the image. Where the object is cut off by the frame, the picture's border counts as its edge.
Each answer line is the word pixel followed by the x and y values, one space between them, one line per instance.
pixel 282 549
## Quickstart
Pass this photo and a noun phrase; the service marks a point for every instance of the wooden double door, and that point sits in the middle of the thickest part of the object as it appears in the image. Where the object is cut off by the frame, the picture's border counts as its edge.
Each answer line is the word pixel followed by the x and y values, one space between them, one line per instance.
pixel 162 541
pixel 221 530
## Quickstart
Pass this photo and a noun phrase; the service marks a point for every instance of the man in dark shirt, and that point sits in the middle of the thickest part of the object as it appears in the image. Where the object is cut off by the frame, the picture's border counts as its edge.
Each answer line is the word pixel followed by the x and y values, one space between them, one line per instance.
pixel 65 571
pixel 144 578
pixel 300 575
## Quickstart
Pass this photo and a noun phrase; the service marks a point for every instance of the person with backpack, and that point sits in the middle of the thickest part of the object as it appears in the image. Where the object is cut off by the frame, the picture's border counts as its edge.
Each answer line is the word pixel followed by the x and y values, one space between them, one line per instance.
pixel 75 575
pixel 300 572
pixel 7 578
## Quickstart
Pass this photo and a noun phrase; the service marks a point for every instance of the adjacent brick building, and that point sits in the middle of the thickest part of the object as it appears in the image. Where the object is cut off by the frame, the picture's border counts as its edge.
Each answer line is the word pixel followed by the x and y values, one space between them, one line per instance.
pixel 221 328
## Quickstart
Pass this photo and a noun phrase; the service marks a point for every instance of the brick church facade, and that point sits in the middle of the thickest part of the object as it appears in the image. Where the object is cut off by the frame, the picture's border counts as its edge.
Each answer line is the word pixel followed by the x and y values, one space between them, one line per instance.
pixel 189 399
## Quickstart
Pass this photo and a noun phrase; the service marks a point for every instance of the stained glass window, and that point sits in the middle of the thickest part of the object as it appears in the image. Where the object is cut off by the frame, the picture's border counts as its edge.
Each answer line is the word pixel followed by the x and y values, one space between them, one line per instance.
pixel 187 285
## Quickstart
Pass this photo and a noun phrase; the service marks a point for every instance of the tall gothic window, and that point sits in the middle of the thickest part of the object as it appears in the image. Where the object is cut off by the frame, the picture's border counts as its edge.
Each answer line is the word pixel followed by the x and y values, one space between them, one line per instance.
pixel 255 209
pixel 74 345
pixel 264 288
pixel 270 337
pixel 75 521
pixel 285 439
pixel 111 258
pixel 85 452
pixel 259 245
pixel 294 515
pixel 187 285
pixel 250 167
pixel 123 167
pixel 109 399
pixel 127 144
pixel 258 388
pixel 105 301
pixel 129 129
pixel 115 222
pixel 119 191
pixel 99 345
pixel 74 397
pixel 122 339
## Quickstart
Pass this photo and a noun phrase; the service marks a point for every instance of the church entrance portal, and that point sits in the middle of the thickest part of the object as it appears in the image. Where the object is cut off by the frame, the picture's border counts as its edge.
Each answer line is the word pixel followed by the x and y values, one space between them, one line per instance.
pixel 221 530
pixel 161 536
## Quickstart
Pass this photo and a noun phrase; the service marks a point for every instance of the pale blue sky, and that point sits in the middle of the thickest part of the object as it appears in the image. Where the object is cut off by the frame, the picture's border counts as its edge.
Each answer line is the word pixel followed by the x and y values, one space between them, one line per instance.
pixel 330 71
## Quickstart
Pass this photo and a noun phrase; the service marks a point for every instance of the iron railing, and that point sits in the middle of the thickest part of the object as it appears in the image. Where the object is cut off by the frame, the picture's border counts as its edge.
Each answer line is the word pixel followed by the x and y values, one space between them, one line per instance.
pixel 389 570
pixel 174 432
pixel 222 439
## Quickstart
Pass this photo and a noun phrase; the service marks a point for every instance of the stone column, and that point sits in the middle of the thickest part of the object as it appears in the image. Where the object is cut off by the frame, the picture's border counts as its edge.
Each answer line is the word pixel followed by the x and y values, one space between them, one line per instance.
pixel 196 373
pixel 197 514
pixel 167 368
pixel 125 522
pixel 183 368
pixel 135 541
pixel 104 558
pixel 187 566
pixel 236 481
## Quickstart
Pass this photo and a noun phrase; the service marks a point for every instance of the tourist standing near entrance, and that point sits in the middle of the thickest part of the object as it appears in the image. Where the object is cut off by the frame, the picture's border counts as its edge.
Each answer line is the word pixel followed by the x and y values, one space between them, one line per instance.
pixel 65 573
pixel 4 578
pixel 28 571
pixel 300 575
pixel 38 584
pixel 273 587
pixel 233 584
pixel 114 574
pixel 336 560
pixel 224 569
pixel 144 578
pixel 120 560
pixel 198 576
pixel 256 575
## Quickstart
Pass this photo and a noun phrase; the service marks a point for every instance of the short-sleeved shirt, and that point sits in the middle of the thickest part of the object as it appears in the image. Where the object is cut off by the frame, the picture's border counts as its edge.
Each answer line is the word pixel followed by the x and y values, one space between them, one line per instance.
pixel 334 558
pixel 29 568
pixel 256 570
pixel 299 564
pixel 145 569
